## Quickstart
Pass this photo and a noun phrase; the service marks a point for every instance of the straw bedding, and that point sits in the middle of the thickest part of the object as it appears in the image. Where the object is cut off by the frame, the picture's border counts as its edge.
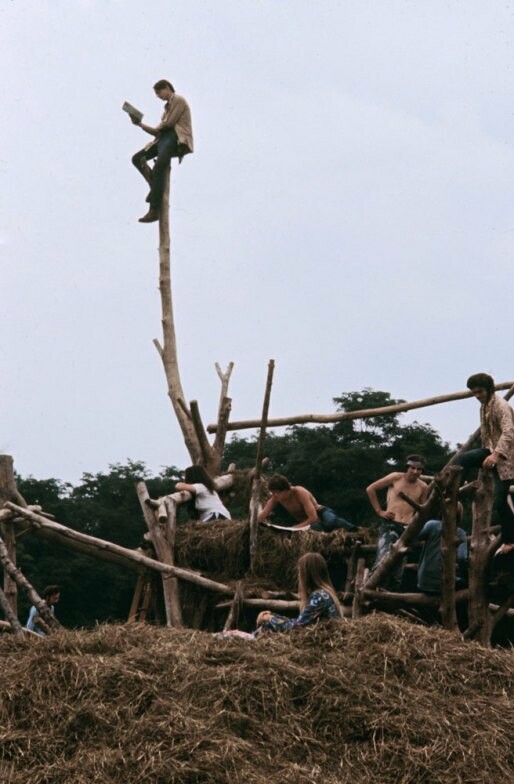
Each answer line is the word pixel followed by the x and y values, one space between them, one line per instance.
pixel 375 700
pixel 221 550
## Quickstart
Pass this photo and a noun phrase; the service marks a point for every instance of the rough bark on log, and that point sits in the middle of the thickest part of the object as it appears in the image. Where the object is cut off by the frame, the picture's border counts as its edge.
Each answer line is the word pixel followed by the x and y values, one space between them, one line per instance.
pixel 35 599
pixel 278 605
pixel 449 493
pixel 108 551
pixel 171 527
pixel 479 615
pixel 168 350
pixel 158 537
pixel 364 413
pixel 358 598
pixel 256 482
pixel 9 492
pixel 391 598
pixel 10 616
pixel 224 409
pixel 235 607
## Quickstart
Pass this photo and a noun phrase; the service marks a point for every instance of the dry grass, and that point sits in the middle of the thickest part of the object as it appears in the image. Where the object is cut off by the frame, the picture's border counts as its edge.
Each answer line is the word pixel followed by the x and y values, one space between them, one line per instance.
pixel 376 700
pixel 221 550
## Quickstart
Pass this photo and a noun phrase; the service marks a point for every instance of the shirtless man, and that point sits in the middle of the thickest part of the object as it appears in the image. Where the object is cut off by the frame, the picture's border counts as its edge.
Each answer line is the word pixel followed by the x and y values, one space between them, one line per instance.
pixel 302 506
pixel 398 513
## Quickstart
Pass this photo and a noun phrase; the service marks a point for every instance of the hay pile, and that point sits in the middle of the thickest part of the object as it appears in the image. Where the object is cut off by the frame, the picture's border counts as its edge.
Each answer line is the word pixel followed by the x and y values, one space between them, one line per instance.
pixel 220 550
pixel 376 700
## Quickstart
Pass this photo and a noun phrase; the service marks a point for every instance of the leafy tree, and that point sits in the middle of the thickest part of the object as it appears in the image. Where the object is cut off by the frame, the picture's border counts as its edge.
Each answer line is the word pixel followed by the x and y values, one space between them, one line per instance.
pixel 338 462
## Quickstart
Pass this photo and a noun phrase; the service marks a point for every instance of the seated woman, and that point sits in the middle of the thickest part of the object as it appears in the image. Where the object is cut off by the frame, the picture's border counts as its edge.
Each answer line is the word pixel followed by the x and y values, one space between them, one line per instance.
pixel 318 598
pixel 207 501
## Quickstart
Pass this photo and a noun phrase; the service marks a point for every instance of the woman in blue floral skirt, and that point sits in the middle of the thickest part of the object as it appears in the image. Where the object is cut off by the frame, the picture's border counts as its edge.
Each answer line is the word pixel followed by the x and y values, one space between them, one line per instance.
pixel 318 598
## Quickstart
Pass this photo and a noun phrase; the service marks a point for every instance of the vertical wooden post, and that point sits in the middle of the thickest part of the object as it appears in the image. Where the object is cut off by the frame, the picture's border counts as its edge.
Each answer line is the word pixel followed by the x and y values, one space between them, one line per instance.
pixel 449 504
pixel 159 537
pixel 44 611
pixel 256 483
pixel 479 615
pixel 10 615
pixel 171 528
pixel 235 607
pixel 360 581
pixel 9 492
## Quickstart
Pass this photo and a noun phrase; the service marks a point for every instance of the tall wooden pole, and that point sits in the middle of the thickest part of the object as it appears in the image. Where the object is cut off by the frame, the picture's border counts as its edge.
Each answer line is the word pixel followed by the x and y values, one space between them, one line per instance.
pixel 9 492
pixel 168 350
pixel 449 507
pixel 200 451
pixel 479 615
pixel 256 483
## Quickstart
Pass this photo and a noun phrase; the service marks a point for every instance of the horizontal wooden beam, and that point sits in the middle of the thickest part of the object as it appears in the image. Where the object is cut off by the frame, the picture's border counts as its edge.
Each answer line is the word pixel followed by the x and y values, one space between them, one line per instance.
pixel 108 551
pixel 365 413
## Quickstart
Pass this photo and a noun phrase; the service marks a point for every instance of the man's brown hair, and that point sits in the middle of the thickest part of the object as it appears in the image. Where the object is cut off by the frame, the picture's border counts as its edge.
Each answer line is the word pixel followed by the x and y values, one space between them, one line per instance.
pixel 481 381
pixel 51 590
pixel 162 84
pixel 415 459
pixel 278 483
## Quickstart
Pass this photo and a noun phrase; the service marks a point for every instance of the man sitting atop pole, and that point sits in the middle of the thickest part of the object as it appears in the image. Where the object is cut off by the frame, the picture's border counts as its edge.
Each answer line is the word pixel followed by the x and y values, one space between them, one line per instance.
pixel 302 507
pixel 173 139
pixel 398 513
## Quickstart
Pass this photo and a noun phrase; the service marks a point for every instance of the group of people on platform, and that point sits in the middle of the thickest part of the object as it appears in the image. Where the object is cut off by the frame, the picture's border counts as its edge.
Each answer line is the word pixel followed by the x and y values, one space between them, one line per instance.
pixel 318 597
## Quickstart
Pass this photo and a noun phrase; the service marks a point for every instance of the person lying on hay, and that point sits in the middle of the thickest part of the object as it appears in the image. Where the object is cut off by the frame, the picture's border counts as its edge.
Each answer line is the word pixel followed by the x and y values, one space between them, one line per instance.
pixel 301 505
pixel 318 601
pixel 206 500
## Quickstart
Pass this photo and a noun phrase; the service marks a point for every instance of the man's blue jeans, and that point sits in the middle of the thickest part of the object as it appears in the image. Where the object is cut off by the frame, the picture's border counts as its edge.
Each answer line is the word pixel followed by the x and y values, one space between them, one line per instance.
pixel 388 534
pixel 329 521
pixel 163 149
pixel 502 513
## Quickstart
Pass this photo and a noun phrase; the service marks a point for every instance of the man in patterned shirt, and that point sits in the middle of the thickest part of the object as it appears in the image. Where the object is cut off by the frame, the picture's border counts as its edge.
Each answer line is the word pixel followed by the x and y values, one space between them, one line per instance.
pixel 496 453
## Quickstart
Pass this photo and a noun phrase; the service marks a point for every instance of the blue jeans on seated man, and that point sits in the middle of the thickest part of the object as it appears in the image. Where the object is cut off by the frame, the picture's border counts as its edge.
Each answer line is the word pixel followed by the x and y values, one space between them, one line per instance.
pixel 163 149
pixel 388 534
pixel 330 521
pixel 502 513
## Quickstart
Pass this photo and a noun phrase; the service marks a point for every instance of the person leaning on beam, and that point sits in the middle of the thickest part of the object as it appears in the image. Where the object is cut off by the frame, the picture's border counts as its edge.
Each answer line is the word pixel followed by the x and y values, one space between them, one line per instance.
pixel 302 507
pixel 398 513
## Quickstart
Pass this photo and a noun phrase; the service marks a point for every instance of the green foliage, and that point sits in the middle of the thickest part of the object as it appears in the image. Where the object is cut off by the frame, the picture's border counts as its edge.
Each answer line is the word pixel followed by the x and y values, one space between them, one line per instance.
pixel 338 462
pixel 104 505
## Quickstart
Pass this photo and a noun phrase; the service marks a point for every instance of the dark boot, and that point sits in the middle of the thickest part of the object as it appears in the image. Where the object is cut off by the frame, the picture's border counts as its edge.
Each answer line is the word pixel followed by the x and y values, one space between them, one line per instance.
pixel 150 217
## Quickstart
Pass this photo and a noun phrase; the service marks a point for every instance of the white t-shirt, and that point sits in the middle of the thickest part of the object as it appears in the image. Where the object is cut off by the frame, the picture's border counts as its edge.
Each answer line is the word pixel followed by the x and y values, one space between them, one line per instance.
pixel 208 503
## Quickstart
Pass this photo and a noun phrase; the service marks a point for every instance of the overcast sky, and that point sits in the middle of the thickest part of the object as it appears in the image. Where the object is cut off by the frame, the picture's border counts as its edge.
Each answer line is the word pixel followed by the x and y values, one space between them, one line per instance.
pixel 348 211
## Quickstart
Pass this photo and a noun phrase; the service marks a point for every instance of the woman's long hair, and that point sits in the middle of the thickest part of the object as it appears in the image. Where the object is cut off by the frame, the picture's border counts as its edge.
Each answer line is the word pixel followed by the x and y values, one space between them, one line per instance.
pixel 312 575
pixel 198 475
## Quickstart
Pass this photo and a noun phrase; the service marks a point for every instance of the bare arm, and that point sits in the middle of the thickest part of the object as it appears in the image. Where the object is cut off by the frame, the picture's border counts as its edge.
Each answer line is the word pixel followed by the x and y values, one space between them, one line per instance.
pixel 184 486
pixel 381 484
pixel 268 508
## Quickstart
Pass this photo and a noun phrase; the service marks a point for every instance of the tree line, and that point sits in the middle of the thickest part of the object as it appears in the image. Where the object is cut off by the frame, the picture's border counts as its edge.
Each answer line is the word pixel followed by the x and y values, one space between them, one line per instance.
pixel 335 462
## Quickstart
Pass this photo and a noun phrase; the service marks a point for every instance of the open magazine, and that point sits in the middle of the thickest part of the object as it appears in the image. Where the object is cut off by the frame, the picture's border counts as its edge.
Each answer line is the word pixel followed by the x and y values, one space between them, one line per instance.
pixel 287 528
pixel 132 111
